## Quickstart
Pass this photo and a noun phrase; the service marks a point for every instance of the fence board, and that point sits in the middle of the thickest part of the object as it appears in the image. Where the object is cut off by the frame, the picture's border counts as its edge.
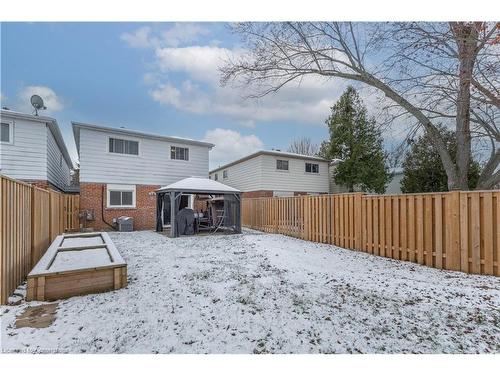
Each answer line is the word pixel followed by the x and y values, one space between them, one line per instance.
pixel 438 231
pixel 496 225
pixel 411 228
pixel 29 219
pixel 488 230
pixel 428 231
pixel 420 229
pixel 381 221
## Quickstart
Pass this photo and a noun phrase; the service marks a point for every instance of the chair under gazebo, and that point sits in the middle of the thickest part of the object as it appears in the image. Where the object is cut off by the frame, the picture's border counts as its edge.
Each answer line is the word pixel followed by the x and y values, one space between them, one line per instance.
pixel 197 205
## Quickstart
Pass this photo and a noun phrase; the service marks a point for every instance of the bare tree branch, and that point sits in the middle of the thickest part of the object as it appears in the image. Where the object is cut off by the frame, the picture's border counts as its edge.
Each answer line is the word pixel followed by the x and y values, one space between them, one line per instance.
pixel 438 73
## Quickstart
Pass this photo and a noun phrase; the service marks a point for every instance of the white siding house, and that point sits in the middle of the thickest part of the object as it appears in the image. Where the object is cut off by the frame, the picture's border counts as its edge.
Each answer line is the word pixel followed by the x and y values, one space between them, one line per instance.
pixel 152 165
pixel 32 149
pixel 275 173
pixel 120 170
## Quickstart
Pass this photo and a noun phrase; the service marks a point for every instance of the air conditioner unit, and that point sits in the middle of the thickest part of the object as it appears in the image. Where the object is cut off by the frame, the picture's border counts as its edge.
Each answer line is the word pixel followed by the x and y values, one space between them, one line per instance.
pixel 125 224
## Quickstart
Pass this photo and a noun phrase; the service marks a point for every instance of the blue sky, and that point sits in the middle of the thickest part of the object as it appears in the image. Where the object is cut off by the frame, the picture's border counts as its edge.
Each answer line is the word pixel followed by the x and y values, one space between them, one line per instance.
pixel 160 78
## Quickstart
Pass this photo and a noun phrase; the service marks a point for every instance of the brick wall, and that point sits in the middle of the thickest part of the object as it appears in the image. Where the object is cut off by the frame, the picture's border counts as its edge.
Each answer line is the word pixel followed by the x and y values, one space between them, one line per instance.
pixel 258 194
pixel 144 214
pixel 42 184
pixel 268 193
pixel 298 193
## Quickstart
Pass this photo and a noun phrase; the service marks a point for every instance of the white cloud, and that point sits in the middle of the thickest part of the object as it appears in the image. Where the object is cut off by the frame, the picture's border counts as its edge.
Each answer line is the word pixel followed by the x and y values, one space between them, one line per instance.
pixel 140 38
pixel 230 145
pixel 307 100
pixel 178 34
pixel 247 123
pixel 183 32
pixel 305 103
pixel 167 94
pixel 199 62
pixel 188 97
pixel 51 100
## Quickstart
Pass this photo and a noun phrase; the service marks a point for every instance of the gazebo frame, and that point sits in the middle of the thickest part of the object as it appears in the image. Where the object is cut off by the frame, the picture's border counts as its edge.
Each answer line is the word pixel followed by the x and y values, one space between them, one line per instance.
pixel 175 198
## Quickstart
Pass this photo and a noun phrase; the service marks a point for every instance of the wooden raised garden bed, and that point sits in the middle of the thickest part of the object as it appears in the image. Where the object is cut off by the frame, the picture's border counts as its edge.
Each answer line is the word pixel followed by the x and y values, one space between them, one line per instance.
pixel 77 264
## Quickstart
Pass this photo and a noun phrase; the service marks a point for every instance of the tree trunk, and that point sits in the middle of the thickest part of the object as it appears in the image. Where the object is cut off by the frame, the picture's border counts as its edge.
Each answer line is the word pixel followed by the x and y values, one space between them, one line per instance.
pixel 466 37
pixel 448 164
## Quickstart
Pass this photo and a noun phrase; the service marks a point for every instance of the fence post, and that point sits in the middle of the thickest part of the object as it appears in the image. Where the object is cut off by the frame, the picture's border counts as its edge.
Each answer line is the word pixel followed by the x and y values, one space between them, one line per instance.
pixel 306 217
pixel 275 204
pixel 358 222
pixel 453 261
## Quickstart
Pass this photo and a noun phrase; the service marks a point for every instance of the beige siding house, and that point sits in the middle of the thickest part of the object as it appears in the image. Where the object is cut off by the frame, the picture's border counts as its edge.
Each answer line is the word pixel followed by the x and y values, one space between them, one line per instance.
pixel 275 173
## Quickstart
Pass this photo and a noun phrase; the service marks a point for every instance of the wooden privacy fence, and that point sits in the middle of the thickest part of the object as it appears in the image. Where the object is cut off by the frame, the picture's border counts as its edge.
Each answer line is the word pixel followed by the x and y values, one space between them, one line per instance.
pixel 454 231
pixel 30 219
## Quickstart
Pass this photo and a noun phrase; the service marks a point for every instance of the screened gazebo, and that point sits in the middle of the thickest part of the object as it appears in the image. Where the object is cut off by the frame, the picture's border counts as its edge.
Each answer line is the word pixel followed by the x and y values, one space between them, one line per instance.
pixel 197 205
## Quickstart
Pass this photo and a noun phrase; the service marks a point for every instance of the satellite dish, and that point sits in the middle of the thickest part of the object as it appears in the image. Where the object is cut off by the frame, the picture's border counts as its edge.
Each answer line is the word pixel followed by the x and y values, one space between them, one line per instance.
pixel 37 103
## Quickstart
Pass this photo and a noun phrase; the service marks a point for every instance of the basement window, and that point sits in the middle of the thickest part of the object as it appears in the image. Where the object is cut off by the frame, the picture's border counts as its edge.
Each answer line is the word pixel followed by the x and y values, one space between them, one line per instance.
pixel 312 168
pixel 121 196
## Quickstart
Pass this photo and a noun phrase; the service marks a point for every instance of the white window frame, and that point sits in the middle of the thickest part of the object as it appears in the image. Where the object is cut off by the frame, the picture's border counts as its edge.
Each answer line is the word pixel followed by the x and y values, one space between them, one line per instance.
pixel 11 131
pixel 115 187
pixel 282 170
pixel 124 139
pixel 180 160
pixel 314 173
pixel 216 177
pixel 225 174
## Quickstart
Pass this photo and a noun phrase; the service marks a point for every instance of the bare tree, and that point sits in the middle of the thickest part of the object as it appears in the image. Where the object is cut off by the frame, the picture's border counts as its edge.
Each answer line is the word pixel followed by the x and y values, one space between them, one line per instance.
pixel 433 73
pixel 303 146
pixel 75 175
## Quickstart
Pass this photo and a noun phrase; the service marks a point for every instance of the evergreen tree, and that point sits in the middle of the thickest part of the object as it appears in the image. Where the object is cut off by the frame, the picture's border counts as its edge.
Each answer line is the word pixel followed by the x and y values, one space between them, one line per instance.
pixel 423 170
pixel 357 141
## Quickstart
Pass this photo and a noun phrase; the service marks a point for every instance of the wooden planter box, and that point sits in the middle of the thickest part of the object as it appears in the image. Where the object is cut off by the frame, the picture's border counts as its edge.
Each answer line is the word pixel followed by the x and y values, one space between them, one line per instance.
pixel 77 264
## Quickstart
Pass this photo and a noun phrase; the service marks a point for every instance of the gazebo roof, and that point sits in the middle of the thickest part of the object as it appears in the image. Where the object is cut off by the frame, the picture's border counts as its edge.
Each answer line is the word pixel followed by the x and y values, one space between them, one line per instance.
pixel 198 185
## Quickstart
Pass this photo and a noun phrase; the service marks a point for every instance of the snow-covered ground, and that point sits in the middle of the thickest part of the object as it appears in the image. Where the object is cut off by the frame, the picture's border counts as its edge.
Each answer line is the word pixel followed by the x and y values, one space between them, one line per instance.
pixel 262 293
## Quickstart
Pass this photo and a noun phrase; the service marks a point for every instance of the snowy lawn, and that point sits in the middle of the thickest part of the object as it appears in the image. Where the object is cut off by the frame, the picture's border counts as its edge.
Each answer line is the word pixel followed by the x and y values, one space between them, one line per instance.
pixel 262 293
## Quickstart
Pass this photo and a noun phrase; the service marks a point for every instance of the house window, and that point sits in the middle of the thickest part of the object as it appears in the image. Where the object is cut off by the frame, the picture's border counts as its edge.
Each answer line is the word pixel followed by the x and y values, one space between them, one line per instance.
pixel 216 177
pixel 282 165
pixel 121 196
pixel 224 174
pixel 312 168
pixel 179 153
pixel 6 131
pixel 123 146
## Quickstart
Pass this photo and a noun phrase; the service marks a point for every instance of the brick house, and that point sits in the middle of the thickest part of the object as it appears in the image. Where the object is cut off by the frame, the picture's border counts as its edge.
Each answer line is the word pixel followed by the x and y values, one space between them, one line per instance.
pixel 275 174
pixel 120 170
pixel 32 149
